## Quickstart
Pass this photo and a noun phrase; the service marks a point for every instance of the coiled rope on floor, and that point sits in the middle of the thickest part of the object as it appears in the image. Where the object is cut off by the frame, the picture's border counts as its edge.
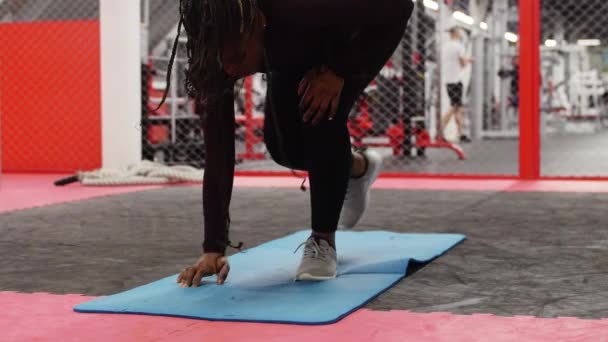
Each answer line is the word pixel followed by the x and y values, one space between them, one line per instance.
pixel 144 173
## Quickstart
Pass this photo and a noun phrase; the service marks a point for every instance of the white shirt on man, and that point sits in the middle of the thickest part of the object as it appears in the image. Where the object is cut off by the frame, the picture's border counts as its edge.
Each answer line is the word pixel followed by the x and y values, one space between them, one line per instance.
pixel 451 71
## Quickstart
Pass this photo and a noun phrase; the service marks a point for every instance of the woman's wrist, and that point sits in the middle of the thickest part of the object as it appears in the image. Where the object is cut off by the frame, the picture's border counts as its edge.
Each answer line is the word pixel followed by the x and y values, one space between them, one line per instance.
pixel 214 247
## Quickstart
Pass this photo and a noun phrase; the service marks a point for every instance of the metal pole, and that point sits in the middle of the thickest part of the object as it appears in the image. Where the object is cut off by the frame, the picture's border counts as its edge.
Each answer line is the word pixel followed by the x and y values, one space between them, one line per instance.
pixel 409 80
pixel 477 86
pixel 174 104
pixel 1 110
pixel 529 137
pixel 440 29
pixel 502 45
pixel 490 65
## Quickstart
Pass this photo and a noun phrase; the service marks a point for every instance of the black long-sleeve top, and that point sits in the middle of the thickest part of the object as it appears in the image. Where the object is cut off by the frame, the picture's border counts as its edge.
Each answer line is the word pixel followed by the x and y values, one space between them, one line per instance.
pixel 300 33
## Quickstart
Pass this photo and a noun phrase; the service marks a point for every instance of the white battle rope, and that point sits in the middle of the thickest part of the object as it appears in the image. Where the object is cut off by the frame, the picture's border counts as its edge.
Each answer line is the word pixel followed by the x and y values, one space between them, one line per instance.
pixel 144 173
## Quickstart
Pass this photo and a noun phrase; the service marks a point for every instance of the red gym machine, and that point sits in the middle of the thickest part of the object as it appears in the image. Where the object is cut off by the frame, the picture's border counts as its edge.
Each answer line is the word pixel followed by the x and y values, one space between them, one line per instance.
pixel 405 137
pixel 398 137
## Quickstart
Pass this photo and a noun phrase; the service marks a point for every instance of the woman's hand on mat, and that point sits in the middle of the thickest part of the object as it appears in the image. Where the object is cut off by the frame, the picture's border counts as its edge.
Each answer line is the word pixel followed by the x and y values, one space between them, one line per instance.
pixel 320 91
pixel 209 264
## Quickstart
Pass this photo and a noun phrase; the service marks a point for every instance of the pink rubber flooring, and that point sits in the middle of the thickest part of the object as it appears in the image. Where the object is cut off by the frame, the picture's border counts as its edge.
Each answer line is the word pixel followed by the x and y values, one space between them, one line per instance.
pixel 22 191
pixel 448 184
pixel 45 317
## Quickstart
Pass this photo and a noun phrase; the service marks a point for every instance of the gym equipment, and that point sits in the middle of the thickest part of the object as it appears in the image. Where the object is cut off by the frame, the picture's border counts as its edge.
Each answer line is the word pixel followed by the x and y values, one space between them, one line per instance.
pixel 573 91
pixel 261 288
pixel 253 124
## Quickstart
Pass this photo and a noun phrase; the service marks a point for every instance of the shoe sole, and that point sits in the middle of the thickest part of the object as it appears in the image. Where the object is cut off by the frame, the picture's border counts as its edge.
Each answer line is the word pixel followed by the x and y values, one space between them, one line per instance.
pixel 310 277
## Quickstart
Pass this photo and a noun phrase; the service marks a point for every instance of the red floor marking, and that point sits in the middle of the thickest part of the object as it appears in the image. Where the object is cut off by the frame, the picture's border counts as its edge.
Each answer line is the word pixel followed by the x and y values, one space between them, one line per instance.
pixel 446 184
pixel 443 184
pixel 561 186
pixel 23 191
pixel 45 317
pixel 268 182
pixel 387 183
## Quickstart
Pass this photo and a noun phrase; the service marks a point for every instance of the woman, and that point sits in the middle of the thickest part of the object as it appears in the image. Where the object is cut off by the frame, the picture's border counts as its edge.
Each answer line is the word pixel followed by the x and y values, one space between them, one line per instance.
pixel 319 55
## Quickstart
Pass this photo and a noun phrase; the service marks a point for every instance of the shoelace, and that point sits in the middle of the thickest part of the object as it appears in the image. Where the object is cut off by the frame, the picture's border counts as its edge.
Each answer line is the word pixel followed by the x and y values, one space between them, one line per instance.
pixel 313 250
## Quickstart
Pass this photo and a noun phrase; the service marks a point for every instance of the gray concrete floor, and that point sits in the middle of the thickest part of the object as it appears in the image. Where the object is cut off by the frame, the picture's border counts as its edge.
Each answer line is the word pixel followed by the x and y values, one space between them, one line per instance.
pixel 581 155
pixel 541 254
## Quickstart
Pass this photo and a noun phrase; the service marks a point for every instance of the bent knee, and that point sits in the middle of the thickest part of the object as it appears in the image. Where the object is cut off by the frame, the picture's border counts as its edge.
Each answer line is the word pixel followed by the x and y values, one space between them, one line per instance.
pixel 287 157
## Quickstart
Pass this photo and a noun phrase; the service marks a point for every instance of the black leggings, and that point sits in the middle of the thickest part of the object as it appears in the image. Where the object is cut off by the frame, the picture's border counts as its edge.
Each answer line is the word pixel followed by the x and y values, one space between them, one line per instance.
pixel 324 150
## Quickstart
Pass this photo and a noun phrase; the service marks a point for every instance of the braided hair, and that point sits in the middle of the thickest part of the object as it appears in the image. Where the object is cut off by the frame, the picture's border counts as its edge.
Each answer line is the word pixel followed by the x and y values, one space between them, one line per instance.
pixel 209 24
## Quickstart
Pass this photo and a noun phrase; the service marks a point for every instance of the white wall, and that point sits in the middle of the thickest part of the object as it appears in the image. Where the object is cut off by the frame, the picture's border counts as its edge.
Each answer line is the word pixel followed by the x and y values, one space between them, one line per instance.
pixel 120 82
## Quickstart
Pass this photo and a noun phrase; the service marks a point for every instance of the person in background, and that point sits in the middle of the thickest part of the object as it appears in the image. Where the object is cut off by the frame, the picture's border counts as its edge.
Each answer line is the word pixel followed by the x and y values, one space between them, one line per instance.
pixel 454 61
pixel 514 75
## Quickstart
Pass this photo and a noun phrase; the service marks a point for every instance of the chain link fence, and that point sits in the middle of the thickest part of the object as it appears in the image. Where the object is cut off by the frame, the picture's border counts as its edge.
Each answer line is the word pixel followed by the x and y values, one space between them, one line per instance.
pixel 50 72
pixel 50 92
pixel 574 66
pixel 171 134
pixel 49 85
pixel 400 113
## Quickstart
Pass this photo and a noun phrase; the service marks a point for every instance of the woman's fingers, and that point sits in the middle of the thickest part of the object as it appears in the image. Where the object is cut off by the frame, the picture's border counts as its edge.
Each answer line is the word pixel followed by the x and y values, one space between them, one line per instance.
pixel 180 277
pixel 223 275
pixel 312 110
pixel 333 110
pixel 209 264
pixel 320 96
pixel 306 100
pixel 303 85
pixel 187 279
pixel 306 81
pixel 197 278
pixel 322 112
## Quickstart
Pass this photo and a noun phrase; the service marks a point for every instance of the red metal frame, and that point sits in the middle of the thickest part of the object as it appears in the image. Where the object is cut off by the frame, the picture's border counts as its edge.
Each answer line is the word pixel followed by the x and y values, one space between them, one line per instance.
pixel 529 89
pixel 361 125
pixel 251 125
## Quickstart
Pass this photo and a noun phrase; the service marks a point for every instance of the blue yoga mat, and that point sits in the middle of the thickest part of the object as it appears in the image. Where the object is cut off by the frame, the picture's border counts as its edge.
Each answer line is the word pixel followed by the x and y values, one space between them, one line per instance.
pixel 261 288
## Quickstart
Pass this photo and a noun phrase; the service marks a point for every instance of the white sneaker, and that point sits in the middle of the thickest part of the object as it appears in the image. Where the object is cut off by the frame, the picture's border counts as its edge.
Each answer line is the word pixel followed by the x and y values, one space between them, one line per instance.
pixel 357 194
pixel 319 261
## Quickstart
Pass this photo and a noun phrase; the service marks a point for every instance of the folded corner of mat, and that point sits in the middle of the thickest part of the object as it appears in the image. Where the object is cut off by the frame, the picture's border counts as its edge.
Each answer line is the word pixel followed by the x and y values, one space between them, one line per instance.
pixel 261 286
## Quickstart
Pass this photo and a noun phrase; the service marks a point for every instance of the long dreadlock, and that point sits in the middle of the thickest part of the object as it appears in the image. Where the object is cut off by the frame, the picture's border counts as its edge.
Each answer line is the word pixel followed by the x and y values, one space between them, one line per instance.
pixel 209 24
